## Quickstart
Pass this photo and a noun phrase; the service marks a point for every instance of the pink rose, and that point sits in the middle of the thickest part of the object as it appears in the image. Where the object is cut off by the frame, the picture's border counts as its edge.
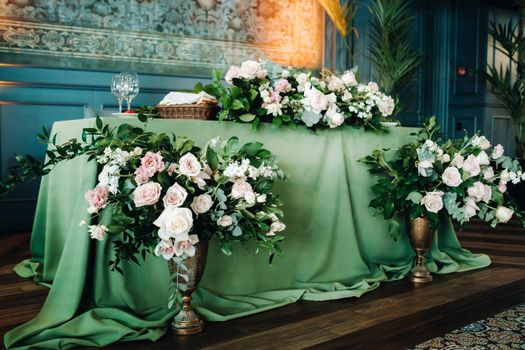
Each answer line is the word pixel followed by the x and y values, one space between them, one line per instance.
pixel 175 196
pixel 282 85
pixel 147 194
pixel 433 201
pixel 97 197
pixel 142 175
pixel 152 162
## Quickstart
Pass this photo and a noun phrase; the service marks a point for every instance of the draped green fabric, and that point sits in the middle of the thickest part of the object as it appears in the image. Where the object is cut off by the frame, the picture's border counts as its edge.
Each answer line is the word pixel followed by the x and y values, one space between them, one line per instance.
pixel 335 246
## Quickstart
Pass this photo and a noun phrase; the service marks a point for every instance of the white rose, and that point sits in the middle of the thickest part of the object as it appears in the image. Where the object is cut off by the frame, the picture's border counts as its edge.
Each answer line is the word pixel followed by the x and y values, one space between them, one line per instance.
pixel 189 165
pixel 277 226
pixel 314 100
pixel 147 194
pixel 261 198
pixel 137 151
pixel 249 197
pixel 373 86
pixel 451 177
pixel 97 232
pixel 497 152
pixel 386 106
pixel 458 161
pixel 231 74
pixel 483 158
pixel 201 204
pixel 224 221
pixel 505 175
pixel 174 222
pixel 504 214
pixel 471 165
pixel 302 79
pixel 481 142
pixel 488 174
pixel 502 186
pixel 480 192
pixel 445 158
pixel 175 196
pixel 251 70
pixel 335 118
pixel 470 208
pixel 349 78
pixel 433 201
pixel 335 84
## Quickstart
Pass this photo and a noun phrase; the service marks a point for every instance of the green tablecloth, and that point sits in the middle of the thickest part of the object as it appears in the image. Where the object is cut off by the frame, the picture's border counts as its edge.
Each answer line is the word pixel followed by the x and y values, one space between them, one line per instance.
pixel 334 248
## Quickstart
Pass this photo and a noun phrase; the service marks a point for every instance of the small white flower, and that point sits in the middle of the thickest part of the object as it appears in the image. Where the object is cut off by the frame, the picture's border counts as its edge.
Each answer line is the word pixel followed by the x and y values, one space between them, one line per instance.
pixel 261 198
pixel 82 223
pixel 137 151
pixel 97 232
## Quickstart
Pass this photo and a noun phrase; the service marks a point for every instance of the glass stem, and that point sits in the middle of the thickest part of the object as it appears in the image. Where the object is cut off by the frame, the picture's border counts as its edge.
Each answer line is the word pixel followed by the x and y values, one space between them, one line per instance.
pixel 119 105
pixel 128 100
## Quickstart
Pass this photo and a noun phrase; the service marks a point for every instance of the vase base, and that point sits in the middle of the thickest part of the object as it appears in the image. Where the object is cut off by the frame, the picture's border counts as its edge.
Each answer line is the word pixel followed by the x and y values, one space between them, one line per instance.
pixel 421 277
pixel 197 326
pixel 194 329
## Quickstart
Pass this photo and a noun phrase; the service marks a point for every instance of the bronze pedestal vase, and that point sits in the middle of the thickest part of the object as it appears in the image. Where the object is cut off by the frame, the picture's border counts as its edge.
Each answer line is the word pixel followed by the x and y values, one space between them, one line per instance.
pixel 187 321
pixel 421 237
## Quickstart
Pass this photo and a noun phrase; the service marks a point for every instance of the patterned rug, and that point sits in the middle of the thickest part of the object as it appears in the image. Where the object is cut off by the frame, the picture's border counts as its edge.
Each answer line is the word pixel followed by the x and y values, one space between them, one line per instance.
pixel 504 331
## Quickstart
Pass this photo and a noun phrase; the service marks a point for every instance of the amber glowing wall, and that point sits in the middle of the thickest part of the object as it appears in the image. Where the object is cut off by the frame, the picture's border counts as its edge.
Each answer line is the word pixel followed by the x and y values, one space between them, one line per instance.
pixel 164 36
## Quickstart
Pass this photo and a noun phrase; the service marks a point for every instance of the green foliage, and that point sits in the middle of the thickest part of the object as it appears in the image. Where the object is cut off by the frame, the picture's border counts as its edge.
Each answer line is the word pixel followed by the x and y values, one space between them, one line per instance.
pixel 391 45
pixel 507 85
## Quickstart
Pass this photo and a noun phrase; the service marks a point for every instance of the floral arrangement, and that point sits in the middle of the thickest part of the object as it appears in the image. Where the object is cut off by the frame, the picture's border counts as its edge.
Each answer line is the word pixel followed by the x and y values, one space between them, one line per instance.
pixel 432 177
pixel 293 97
pixel 158 193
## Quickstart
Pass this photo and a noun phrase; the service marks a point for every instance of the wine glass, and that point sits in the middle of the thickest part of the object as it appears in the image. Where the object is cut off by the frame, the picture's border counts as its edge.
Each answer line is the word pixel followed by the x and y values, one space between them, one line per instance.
pixel 117 89
pixel 130 87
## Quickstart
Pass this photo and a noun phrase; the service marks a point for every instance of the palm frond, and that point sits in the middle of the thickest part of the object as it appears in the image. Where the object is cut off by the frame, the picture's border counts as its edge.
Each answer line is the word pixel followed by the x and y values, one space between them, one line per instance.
pixel 341 15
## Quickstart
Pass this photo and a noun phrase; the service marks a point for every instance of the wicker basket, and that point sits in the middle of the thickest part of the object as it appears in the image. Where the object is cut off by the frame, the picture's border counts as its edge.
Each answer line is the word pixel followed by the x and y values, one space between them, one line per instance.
pixel 188 111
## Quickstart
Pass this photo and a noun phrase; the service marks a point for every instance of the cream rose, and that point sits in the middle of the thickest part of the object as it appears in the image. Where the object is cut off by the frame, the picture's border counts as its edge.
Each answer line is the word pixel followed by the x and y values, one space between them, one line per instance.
pixel 97 232
pixel 483 158
pixel 470 208
pixel 451 177
pixel 349 78
pixel 174 222
pixel 488 174
pixel 504 214
pixel 175 196
pixel 481 142
pixel 505 175
pixel 240 188
pixel 471 165
pixel 189 165
pixel 480 192
pixel 497 152
pixel 433 201
pixel 231 74
pixel 225 221
pixel 147 194
pixel 201 204
pixel 458 161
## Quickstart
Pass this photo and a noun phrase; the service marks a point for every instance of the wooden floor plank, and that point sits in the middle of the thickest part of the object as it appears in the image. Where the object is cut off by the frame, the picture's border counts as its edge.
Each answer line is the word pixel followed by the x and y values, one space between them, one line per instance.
pixel 397 315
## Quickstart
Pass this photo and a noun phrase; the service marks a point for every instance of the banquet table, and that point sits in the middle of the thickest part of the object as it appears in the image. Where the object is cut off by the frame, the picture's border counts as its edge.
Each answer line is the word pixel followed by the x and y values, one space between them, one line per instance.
pixel 334 248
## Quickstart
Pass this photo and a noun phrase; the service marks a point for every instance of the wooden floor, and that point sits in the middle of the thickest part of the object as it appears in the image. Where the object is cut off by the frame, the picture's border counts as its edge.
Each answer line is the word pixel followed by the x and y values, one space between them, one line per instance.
pixel 395 316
